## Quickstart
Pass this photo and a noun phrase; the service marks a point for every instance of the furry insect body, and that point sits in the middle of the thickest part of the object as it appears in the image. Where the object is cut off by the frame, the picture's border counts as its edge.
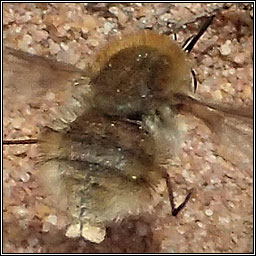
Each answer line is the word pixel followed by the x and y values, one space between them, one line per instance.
pixel 117 147
pixel 104 154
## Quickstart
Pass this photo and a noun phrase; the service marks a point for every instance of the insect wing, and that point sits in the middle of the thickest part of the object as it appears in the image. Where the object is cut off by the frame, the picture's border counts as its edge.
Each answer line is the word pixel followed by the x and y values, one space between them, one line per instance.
pixel 40 83
pixel 232 128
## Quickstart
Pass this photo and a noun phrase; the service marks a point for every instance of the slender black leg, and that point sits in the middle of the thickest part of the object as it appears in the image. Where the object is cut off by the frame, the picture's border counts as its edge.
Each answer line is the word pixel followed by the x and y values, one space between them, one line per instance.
pixel 175 210
pixel 17 142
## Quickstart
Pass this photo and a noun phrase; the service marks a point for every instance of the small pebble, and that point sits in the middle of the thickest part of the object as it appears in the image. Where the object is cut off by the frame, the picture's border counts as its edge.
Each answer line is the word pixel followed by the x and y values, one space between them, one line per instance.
pixel 32 241
pixel 227 87
pixel 64 46
pixel 217 95
pixel 27 39
pixel 224 220
pixel 225 49
pixel 108 27
pixel 114 10
pixel 146 22
pixel 165 17
pixel 23 224
pixel 93 234
pixel 50 96
pixel 73 231
pixel 208 212
pixel 181 230
pixel 122 18
pixel 141 229
pixel 6 175
pixel 21 211
pixel 53 47
pixel 240 58
pixel 46 227
pixel 232 71
pixel 234 237
pixel 40 35
pixel 93 42
pixel 52 219
pixel 200 224
pixel 225 72
pixel 17 122
pixel 203 233
pixel 24 177
pixel 247 92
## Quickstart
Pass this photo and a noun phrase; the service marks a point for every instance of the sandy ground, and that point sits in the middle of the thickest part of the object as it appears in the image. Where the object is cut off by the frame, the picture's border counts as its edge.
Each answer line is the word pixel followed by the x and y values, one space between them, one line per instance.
pixel 219 217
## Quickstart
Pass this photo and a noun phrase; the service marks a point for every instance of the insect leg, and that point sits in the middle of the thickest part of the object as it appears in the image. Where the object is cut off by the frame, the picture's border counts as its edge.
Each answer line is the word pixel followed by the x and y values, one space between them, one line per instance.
pixel 175 210
pixel 17 142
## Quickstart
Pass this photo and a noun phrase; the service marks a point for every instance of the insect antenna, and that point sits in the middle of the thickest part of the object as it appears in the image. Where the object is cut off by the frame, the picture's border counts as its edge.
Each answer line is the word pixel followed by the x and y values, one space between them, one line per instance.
pixel 190 42
pixel 194 79
pixel 20 142
pixel 187 41
pixel 175 38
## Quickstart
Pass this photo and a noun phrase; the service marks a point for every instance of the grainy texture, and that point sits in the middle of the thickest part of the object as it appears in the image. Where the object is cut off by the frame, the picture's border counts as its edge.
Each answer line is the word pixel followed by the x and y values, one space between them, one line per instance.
pixel 220 215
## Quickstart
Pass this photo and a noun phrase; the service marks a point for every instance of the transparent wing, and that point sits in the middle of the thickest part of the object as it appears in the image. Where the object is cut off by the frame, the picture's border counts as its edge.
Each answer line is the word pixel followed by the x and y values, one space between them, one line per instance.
pixel 34 77
pixel 35 83
pixel 232 129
